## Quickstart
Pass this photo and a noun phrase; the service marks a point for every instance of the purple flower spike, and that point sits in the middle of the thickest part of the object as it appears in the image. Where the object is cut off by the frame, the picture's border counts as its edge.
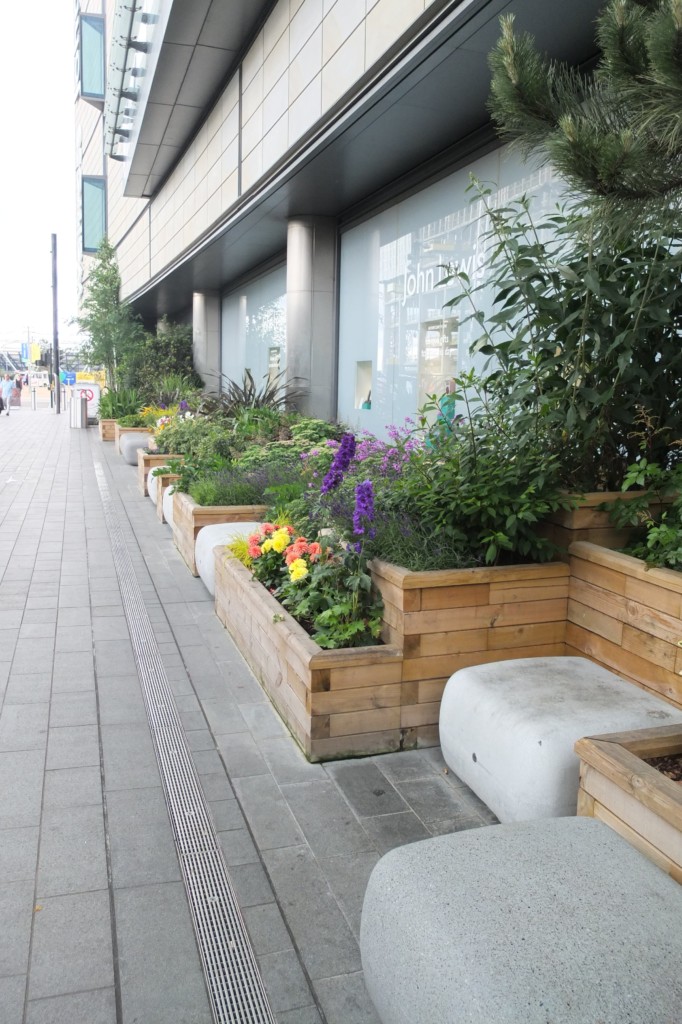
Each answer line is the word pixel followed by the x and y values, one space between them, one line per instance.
pixel 363 516
pixel 340 464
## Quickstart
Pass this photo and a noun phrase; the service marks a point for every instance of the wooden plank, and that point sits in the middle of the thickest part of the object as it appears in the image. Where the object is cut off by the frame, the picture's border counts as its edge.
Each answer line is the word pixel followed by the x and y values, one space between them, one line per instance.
pixel 354 723
pixel 532 591
pixel 347 678
pixel 527 635
pixel 486 616
pixel 632 775
pixel 596 575
pixel 414 715
pixel 597 622
pixel 360 699
pixel 403 600
pixel 652 595
pixel 427 736
pixel 465 577
pixel 418 645
pixel 454 597
pixel 650 647
pixel 625 564
pixel 429 691
pixel 637 841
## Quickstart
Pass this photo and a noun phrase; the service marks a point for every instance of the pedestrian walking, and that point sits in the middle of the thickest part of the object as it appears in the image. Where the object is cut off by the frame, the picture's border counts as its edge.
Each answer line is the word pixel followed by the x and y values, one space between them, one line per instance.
pixel 6 389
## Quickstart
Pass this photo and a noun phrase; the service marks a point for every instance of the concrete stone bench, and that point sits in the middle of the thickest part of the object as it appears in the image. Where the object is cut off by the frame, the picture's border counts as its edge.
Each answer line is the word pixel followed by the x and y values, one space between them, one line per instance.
pixel 508 729
pixel 211 537
pixel 168 505
pixel 129 443
pixel 546 922
pixel 152 483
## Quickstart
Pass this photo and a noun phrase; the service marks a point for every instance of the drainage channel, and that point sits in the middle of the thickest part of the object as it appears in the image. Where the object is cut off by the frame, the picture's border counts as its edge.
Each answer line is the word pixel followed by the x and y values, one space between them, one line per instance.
pixel 234 983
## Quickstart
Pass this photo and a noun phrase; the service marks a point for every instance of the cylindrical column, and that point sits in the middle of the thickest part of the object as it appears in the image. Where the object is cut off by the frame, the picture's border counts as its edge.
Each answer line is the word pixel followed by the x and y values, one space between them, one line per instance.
pixel 34 399
pixel 311 310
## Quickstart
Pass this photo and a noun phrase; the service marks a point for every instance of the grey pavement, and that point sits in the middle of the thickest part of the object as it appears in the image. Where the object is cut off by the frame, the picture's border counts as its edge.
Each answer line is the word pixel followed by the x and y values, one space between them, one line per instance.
pixel 95 925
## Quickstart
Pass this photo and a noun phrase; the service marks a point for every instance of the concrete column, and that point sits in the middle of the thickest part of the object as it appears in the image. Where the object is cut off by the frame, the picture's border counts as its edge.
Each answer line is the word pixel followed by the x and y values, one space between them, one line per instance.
pixel 206 337
pixel 311 311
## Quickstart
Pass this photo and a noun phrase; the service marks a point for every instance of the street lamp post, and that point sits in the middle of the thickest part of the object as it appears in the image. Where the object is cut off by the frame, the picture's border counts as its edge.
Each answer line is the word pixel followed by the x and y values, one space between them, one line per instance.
pixel 55 329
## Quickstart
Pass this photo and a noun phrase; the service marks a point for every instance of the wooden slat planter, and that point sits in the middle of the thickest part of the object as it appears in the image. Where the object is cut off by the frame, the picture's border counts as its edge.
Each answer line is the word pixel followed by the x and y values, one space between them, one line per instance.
pixel 147 461
pixel 626 616
pixel 636 800
pixel 119 431
pixel 339 703
pixel 453 618
pixel 107 430
pixel 189 518
pixel 588 522
pixel 163 482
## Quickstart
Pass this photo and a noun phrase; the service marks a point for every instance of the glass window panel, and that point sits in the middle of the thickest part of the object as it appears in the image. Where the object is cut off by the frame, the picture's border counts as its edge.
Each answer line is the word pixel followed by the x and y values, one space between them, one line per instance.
pixel 94 213
pixel 92 56
pixel 254 328
pixel 391 302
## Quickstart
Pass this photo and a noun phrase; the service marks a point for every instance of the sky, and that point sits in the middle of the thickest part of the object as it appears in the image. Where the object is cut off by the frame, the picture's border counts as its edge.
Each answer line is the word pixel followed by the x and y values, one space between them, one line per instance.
pixel 37 171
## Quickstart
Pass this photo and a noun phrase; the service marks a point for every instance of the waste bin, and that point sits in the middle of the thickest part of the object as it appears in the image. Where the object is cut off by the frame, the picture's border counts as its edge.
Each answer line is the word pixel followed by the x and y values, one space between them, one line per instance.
pixel 78 411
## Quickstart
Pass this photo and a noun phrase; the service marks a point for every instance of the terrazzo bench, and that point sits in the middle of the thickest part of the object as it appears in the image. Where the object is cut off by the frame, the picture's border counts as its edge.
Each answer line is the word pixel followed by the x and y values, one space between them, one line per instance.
pixel 508 729
pixel 211 537
pixel 555 921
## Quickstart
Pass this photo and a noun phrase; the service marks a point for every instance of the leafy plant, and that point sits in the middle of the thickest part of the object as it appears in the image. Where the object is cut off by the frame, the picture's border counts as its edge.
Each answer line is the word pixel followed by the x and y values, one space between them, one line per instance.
pixel 134 420
pixel 583 339
pixel 117 402
pixel 277 392
pixel 111 327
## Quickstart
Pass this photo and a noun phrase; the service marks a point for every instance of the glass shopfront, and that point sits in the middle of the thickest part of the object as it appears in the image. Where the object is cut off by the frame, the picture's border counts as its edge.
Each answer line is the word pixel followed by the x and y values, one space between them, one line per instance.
pixel 397 342
pixel 254 327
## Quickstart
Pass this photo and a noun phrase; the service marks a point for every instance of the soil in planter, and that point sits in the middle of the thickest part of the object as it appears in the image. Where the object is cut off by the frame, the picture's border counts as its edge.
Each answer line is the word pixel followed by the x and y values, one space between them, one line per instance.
pixel 669 765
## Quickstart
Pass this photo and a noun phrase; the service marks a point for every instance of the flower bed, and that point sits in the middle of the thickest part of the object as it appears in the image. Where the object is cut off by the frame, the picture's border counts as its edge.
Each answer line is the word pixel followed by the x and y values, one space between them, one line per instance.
pixel 631 796
pixel 189 518
pixel 452 618
pixel 147 461
pixel 627 616
pixel 339 703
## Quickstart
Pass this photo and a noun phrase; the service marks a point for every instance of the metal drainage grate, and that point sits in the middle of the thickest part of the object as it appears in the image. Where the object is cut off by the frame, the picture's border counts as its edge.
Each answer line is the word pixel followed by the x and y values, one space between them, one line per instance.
pixel 234 983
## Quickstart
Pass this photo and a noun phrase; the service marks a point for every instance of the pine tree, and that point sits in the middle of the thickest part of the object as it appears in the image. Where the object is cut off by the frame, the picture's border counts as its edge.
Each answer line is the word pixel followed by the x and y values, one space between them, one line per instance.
pixel 614 134
pixel 112 328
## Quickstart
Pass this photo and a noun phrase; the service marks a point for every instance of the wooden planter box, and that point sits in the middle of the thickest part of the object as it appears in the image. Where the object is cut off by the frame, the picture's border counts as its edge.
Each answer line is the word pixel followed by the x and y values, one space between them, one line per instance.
pixel 107 430
pixel 147 461
pixel 588 522
pixel 119 431
pixel 627 617
pixel 189 518
pixel 454 618
pixel 636 800
pixel 340 703
pixel 163 482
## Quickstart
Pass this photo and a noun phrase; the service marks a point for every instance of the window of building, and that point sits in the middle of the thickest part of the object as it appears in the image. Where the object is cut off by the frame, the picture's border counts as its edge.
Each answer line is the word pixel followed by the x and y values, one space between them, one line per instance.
pixel 254 328
pixel 94 206
pixel 92 57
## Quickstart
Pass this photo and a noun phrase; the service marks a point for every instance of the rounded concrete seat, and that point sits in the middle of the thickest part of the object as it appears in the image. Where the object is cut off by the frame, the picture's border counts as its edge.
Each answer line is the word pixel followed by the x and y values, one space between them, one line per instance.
pixel 167 504
pixel 211 537
pixel 555 921
pixel 508 729
pixel 129 444
pixel 152 483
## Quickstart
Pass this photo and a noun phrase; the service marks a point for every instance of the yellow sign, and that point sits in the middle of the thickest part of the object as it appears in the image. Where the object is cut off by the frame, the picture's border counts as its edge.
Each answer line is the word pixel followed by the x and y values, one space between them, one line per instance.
pixel 35 352
pixel 97 375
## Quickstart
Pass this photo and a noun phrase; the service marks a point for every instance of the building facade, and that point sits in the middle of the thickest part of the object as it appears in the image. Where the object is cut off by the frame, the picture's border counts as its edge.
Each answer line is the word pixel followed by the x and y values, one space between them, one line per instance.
pixel 291 178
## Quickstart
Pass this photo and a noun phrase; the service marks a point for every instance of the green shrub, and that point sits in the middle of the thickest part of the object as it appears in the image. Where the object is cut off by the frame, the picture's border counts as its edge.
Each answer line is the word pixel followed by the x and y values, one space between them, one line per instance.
pixel 117 402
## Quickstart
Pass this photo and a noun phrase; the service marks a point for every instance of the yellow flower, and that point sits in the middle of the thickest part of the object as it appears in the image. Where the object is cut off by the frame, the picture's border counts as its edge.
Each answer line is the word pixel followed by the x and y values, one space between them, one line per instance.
pixel 280 540
pixel 266 545
pixel 298 570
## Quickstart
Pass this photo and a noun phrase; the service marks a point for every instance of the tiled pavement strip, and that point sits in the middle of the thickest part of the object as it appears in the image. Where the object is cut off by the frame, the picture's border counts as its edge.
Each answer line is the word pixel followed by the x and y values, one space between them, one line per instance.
pixel 94 921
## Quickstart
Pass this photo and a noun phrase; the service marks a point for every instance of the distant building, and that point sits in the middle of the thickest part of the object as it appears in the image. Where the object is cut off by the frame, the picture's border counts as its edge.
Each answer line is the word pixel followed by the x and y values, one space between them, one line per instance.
pixel 290 178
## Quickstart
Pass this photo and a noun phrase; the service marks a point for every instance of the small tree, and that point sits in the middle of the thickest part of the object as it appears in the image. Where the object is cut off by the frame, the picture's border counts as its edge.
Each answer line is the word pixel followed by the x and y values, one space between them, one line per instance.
pixel 615 135
pixel 113 330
